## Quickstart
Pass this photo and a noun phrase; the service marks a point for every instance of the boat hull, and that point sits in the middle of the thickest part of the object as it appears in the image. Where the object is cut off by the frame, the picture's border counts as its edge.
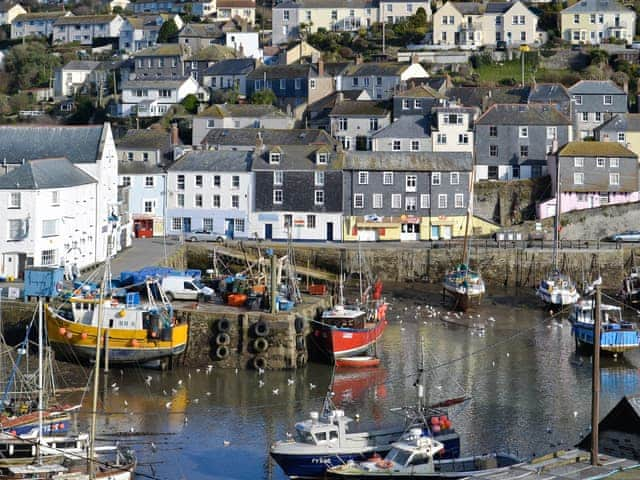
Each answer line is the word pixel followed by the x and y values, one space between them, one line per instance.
pixel 124 346
pixel 558 298
pixel 357 362
pixel 25 424
pixel 346 342
pixel 463 301
pixel 611 341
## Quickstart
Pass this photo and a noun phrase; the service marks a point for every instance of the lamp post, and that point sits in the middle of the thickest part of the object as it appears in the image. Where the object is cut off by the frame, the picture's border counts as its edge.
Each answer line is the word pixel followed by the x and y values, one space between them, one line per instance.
pixel 523 49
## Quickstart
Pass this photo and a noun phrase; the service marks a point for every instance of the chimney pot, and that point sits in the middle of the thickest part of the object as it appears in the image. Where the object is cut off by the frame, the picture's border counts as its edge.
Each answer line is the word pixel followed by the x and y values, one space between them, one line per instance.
pixel 175 138
pixel 320 67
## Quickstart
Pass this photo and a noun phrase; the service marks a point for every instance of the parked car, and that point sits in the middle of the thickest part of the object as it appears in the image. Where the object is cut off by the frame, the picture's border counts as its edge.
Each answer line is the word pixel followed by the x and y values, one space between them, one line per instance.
pixel 627 236
pixel 204 236
pixel 185 288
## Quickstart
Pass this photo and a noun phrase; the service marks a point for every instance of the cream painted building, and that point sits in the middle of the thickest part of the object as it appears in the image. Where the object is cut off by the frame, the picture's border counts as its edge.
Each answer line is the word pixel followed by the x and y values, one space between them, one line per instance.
pixel 623 128
pixel 595 21
pixel 242 9
pixel 453 128
pixel 472 25
pixel 337 15
pixel 9 11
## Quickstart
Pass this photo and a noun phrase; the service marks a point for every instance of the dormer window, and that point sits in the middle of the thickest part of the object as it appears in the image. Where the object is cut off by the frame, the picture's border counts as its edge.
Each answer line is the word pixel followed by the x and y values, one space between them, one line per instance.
pixel 322 158
pixel 274 158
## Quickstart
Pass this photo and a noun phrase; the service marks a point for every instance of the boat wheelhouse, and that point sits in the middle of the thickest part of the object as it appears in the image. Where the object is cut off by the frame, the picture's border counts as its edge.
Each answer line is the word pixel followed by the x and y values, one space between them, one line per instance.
pixel 466 286
pixel 558 290
pixel 616 335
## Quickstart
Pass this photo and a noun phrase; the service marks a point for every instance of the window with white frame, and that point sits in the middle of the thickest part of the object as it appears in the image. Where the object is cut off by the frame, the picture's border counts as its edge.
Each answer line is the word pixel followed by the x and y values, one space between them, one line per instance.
pixel 211 123
pixel 396 200
pixel 411 183
pixel 216 181
pixel 377 200
pixel 312 83
pixel 278 177
pixel 358 200
pixel 149 206
pixel 417 104
pixel 622 138
pixel 207 224
pixel 387 178
pixel 48 257
pixel 239 225
pixel 578 162
pixel 523 132
pixel 411 203
pixel 148 182
pixel 285 15
pixel 441 139
pixel 442 200
pixel 235 182
pixel 319 197
pixel 607 99
pixel 216 201
pixel 598 116
pixel 373 124
pixel 396 145
pixel 585 116
pixel 274 158
pixel 454 178
pixel 323 158
pixel 343 124
pixel 578 178
pixel 298 83
pixel 278 196
pixel 614 179
pixel 283 84
pixel 176 224
pixel 14 200
pixel 600 162
pixel 415 145
pixel 614 162
pixel 363 178
pixel 435 178
pixel 552 132
pixel 405 104
pixel 463 139
pixel 126 181
pixel 577 99
pixel 346 143
pixel 16 230
pixel 318 179
pixel 50 228
pixel 458 200
pixel 180 200
pixel 425 200
pixel 235 201
pixel 287 220
pixel 198 200
pixel 180 182
pixel 130 156
pixel 55 197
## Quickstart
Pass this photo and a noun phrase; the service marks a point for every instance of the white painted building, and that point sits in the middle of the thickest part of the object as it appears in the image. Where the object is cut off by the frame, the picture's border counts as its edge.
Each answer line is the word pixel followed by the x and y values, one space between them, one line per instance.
pixel 89 151
pixel 85 29
pixel 246 44
pixel 154 98
pixel 141 31
pixel 453 129
pixel 36 24
pixel 9 11
pixel 242 9
pixel 73 77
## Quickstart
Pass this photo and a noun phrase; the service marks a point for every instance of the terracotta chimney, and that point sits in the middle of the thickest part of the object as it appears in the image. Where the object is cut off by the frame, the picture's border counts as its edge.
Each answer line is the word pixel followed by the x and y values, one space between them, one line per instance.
pixel 175 138
pixel 320 67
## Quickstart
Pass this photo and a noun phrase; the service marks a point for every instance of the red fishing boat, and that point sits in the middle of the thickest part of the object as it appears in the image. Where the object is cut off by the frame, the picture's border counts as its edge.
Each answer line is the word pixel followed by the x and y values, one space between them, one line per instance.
pixel 362 361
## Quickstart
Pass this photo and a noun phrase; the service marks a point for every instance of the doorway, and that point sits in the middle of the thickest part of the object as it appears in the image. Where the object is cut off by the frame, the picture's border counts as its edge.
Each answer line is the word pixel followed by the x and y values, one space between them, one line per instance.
pixel 268 231
pixel 229 222
pixel 329 231
pixel 186 224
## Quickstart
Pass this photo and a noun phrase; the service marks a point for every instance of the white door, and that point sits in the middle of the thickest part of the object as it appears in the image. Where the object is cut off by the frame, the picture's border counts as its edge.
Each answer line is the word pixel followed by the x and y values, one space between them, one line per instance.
pixel 367 235
pixel 11 264
pixel 445 232
pixel 410 232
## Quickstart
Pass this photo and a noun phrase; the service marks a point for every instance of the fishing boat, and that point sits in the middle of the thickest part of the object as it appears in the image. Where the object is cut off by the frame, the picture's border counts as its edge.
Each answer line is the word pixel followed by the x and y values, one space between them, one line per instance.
pixel 413 456
pixel 136 333
pixel 362 361
pixel 557 289
pixel 616 335
pixel 631 287
pixel 463 284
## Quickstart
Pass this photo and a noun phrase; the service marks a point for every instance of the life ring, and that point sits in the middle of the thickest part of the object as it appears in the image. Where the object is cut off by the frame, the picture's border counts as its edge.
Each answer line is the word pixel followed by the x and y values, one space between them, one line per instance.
pixel 222 352
pixel 298 323
pixel 224 325
pixel 300 342
pixel 261 344
pixel 223 339
pixel 301 359
pixel 261 328
pixel 259 363
pixel 384 464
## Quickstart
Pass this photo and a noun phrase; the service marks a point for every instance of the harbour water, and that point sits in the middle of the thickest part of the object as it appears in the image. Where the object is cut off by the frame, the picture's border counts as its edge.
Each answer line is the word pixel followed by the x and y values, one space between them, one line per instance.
pixel 529 393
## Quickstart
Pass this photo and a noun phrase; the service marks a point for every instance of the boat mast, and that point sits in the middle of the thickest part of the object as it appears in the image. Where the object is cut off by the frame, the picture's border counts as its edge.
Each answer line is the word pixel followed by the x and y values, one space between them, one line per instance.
pixel 465 246
pixel 595 391
pixel 40 380
pixel 556 226
pixel 360 269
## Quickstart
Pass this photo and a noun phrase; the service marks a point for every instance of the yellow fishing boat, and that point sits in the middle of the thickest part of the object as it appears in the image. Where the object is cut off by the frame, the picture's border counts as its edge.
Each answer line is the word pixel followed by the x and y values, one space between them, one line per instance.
pixel 133 333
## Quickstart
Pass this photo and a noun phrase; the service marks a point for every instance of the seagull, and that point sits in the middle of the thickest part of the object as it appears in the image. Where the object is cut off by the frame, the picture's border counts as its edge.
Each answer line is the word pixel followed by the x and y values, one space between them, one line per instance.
pixel 276 391
pixel 260 384
pixel 126 404
pixel 153 447
pixel 115 389
pixel 164 392
pixel 196 400
pixel 179 382
pixel 168 405
pixel 131 430
pixel 148 379
pixel 260 371
pixel 508 354
pixel 174 391
pixel 311 386
pixel 114 385
pixel 189 375
pixel 288 435
pixel 236 370
pixel 575 413
pixel 226 443
pixel 290 381
pixel 208 394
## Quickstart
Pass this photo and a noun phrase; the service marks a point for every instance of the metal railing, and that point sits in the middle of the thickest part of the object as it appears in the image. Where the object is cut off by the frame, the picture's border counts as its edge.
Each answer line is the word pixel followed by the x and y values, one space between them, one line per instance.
pixel 490 243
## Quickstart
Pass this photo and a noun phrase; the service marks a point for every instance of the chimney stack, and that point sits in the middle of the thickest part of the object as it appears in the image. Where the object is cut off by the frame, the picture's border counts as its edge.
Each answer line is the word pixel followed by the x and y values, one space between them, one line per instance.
pixel 414 59
pixel 320 67
pixel 259 143
pixel 358 59
pixel 175 138
pixel 340 97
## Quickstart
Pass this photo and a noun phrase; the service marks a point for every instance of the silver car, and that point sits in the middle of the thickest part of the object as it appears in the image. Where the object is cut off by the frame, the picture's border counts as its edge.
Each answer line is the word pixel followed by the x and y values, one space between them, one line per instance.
pixel 628 236
pixel 204 236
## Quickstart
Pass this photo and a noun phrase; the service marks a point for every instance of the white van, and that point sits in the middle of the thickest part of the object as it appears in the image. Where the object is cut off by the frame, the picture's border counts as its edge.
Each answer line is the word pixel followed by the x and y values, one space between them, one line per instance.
pixel 185 288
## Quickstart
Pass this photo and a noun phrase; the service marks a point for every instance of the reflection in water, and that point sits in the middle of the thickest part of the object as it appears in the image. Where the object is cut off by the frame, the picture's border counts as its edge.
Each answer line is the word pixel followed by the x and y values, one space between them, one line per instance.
pixel 529 392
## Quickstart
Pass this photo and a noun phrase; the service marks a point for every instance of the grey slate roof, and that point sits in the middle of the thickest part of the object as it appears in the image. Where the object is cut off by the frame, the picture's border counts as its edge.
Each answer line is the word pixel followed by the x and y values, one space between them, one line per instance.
pixel 595 6
pixel 248 137
pixel 297 157
pixel 78 144
pixel 622 122
pixel 155 83
pixel 25 17
pixel 475 96
pixel 241 110
pixel 154 139
pixel 234 66
pixel 85 19
pixel 506 114
pixel 468 8
pixel 382 69
pixel 549 93
pixel 327 4
pixel 409 161
pixel 406 126
pixel 595 87
pixel 45 173
pixel 126 167
pixel 364 108
pixel 213 161
pixel 271 72
pixel 201 30
pixel 81 65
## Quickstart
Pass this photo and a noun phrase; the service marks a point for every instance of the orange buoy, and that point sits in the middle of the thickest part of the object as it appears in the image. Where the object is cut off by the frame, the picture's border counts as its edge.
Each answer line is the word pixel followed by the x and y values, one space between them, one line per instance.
pixel 134 342
pixel 69 335
pixel 84 335
pixel 62 331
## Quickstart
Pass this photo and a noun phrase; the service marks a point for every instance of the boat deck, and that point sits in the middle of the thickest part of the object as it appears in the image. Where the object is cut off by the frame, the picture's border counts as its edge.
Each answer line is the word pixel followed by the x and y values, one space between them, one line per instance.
pixel 570 465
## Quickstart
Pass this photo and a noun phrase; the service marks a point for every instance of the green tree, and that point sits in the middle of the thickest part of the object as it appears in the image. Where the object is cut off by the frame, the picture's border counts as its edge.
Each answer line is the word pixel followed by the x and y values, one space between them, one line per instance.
pixel 30 65
pixel 190 103
pixel 263 97
pixel 168 31
pixel 598 57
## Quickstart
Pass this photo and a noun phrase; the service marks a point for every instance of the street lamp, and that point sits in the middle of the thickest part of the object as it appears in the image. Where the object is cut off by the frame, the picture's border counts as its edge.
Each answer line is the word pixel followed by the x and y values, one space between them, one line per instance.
pixel 523 49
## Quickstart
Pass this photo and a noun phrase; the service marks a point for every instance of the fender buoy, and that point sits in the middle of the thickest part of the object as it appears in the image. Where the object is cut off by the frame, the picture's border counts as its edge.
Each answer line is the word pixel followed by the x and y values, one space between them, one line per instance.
pixel 300 342
pixel 261 328
pixel 224 325
pixel 223 339
pixel 69 335
pixel 259 363
pixel 134 342
pixel 222 352
pixel 62 331
pixel 261 344
pixel 299 324
pixel 83 335
pixel 384 464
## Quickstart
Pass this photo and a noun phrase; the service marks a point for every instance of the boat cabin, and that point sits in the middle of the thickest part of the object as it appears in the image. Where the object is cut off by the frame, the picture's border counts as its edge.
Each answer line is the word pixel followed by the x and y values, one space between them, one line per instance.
pixel 325 431
pixel 611 315
pixel 414 449
pixel 342 316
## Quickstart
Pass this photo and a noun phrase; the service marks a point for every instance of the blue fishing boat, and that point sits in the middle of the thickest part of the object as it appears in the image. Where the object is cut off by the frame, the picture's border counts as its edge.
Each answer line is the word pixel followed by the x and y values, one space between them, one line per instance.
pixel 616 335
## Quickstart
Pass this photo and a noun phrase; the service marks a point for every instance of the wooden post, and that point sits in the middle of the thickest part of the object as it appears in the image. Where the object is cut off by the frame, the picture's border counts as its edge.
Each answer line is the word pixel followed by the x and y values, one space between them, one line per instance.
pixel 106 351
pixel 595 393
pixel 274 286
